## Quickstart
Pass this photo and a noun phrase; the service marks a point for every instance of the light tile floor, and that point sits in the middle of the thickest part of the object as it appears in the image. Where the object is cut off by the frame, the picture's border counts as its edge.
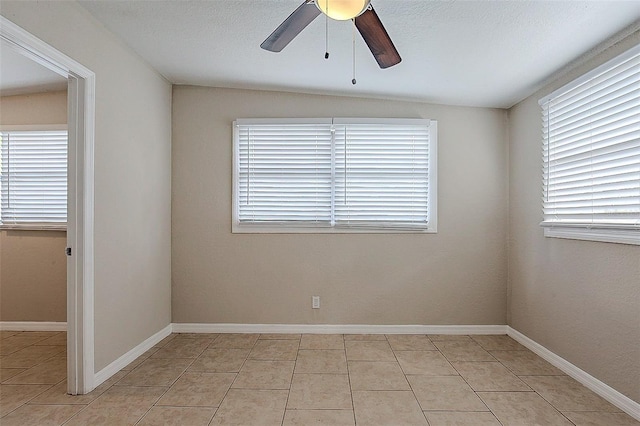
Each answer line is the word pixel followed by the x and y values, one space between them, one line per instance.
pixel 287 379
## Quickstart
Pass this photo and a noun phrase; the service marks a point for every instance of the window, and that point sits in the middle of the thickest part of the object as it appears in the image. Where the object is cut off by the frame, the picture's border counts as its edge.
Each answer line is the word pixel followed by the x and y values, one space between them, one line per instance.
pixel 335 175
pixel 33 179
pixel 591 154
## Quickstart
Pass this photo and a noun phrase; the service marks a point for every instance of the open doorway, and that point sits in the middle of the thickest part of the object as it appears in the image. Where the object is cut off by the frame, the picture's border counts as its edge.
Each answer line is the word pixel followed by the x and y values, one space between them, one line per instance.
pixel 33 201
pixel 80 83
pixel 33 194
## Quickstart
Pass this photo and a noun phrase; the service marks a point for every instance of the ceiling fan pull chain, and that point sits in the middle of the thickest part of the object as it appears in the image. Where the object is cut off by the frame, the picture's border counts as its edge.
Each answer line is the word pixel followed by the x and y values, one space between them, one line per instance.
pixel 326 32
pixel 353 41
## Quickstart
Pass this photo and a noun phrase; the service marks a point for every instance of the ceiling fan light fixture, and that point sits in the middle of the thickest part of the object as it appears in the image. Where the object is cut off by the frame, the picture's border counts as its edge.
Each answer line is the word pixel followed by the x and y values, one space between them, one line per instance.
pixel 342 10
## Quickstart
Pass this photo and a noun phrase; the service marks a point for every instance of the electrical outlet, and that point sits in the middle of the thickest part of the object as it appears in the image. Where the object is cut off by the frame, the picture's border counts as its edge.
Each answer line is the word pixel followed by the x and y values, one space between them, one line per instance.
pixel 315 302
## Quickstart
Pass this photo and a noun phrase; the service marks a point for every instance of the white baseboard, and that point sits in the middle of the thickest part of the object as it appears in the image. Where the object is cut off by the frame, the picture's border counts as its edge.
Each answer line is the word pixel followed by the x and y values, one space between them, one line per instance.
pixel 33 326
pixel 127 358
pixel 621 401
pixel 338 328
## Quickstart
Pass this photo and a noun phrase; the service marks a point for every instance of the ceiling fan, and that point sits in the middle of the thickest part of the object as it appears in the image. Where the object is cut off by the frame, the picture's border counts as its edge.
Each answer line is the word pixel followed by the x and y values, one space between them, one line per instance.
pixel 361 11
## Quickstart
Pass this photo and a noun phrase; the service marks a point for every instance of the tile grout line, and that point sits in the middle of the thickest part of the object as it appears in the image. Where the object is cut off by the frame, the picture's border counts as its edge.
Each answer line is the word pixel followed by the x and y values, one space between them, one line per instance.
pixel 29 400
pixel 215 409
pixel 346 360
pixel 295 363
pixel 553 406
pixel 29 384
pixel 172 383
pixel 237 374
pixel 405 375
pixel 465 380
pixel 516 375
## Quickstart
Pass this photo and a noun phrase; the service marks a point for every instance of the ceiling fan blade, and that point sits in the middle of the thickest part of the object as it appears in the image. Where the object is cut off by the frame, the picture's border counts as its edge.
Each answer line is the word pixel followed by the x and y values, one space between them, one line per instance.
pixel 291 27
pixel 377 39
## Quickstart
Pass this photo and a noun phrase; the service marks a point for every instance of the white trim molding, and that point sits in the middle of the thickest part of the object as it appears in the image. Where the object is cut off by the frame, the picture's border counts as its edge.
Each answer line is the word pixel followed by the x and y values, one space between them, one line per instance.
pixel 33 326
pixel 338 328
pixel 621 401
pixel 130 356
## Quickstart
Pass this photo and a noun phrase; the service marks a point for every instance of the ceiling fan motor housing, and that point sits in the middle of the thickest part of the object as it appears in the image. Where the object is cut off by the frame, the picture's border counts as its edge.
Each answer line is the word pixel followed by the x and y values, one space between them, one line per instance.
pixel 342 10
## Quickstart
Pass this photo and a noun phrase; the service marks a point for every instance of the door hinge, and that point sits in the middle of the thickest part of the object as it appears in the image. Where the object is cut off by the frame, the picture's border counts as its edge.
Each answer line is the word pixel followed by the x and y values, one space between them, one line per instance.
pixel 68 251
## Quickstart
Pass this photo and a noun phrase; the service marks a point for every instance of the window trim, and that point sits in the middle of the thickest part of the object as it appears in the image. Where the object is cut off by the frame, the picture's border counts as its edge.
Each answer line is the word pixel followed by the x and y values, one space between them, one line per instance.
pixel 598 233
pixel 250 228
pixel 35 226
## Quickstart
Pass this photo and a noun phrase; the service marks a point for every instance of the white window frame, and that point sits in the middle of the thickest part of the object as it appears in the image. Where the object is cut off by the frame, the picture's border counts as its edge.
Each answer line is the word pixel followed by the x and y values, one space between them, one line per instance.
pixel 34 226
pixel 601 233
pixel 432 201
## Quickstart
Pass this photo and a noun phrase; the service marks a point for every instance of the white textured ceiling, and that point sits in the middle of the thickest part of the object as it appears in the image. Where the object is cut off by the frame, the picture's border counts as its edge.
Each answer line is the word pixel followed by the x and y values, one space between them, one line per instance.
pixel 20 75
pixel 477 53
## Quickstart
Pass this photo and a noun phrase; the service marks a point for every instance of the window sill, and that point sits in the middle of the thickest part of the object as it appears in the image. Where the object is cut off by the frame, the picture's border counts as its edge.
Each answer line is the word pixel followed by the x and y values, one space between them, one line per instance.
pixel 264 229
pixel 619 236
pixel 33 227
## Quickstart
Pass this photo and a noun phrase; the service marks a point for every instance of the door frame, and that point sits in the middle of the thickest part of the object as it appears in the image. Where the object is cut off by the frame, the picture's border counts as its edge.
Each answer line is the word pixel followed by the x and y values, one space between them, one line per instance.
pixel 80 209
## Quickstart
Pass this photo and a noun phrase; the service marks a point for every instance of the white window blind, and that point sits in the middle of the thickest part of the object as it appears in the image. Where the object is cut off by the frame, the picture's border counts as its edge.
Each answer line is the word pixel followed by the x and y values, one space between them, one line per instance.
pixel 591 149
pixel 284 174
pixel 382 175
pixel 33 178
pixel 334 175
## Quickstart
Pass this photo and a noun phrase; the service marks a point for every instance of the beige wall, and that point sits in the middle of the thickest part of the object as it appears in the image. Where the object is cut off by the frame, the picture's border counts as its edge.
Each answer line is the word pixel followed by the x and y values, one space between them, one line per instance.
pixel 33 275
pixel 34 109
pixel 457 276
pixel 579 299
pixel 132 175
